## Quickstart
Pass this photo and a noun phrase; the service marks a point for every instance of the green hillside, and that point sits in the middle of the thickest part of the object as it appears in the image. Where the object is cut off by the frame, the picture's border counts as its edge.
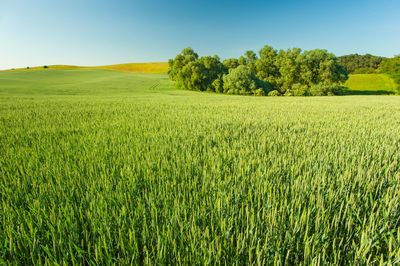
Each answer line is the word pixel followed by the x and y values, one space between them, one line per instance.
pixel 101 167
pixel 150 68
pixel 79 82
pixel 370 84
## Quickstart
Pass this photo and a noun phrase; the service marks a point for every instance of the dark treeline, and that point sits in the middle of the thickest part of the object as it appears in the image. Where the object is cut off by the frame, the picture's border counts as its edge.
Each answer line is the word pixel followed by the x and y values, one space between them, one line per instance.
pixel 271 72
pixel 360 64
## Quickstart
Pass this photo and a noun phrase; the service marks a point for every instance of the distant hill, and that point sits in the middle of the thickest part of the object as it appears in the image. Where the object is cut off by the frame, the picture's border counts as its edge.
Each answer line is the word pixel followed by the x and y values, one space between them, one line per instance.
pixel 80 82
pixel 370 84
pixel 153 68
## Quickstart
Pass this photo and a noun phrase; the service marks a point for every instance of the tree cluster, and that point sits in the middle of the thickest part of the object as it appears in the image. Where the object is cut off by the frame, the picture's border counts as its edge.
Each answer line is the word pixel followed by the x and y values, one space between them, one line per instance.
pixel 271 72
pixel 360 64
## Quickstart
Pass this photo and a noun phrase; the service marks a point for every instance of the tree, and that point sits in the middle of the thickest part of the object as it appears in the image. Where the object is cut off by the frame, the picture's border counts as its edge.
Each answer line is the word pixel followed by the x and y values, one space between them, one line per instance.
pixel 290 72
pixel 242 61
pixel 251 58
pixel 288 63
pixel 354 62
pixel 266 68
pixel 325 90
pixel 365 70
pixel 332 73
pixel 231 63
pixel 319 66
pixel 242 80
pixel 214 70
pixel 299 71
pixel 194 73
pixel 274 93
pixel 185 57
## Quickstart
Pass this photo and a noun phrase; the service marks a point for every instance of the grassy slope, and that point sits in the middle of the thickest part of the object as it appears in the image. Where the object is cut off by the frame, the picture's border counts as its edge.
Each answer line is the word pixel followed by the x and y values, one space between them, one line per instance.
pixel 151 68
pixel 78 82
pixel 369 84
pixel 99 167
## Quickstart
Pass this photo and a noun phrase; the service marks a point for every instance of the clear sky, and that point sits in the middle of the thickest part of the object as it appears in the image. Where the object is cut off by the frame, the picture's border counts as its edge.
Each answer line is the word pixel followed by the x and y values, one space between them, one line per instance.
pixel 97 32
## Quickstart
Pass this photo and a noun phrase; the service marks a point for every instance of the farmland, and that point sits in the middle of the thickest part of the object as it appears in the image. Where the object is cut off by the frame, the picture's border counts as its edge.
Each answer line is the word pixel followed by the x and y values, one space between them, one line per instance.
pixel 80 82
pixel 370 84
pixel 152 68
pixel 102 167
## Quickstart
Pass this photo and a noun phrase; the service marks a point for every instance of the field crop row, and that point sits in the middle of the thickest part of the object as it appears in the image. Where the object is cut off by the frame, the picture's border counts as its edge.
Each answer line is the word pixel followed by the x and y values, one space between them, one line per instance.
pixel 134 174
pixel 208 179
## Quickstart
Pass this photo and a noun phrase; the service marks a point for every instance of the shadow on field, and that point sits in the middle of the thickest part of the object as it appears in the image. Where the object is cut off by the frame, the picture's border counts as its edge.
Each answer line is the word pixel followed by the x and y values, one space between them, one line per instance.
pixel 357 92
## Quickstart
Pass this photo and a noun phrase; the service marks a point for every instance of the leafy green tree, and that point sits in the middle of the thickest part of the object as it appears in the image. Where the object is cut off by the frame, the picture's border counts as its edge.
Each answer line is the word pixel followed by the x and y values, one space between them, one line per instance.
pixel 242 80
pixel 290 72
pixel 231 63
pixel 288 63
pixel 251 58
pixel 176 65
pixel 354 62
pixel 365 70
pixel 194 73
pixel 300 90
pixel 266 68
pixel 274 93
pixel 242 61
pixel 332 73
pixel 218 85
pixel 326 90
pixel 214 70
pixel 192 76
pixel 319 66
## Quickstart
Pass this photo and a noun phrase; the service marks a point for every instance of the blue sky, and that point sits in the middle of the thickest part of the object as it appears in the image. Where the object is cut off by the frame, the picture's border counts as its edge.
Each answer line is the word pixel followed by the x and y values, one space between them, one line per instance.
pixel 97 32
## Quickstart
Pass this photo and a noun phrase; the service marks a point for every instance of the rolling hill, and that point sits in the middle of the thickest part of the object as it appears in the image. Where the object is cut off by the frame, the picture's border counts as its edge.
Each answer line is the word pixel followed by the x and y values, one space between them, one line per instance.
pixel 79 82
pixel 152 68
pixel 357 84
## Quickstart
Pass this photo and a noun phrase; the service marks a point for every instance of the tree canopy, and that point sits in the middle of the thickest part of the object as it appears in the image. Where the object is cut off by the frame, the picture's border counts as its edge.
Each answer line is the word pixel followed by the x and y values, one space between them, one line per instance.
pixel 353 63
pixel 242 80
pixel 288 72
pixel 194 73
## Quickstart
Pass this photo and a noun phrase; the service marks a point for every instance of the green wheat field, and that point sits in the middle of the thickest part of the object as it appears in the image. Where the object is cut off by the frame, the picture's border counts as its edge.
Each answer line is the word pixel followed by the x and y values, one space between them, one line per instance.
pixel 104 167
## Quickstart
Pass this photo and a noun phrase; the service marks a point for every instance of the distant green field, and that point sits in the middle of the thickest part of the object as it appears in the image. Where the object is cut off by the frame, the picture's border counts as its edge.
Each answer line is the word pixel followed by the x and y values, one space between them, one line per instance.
pixel 369 84
pixel 150 68
pixel 79 82
pixel 102 167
